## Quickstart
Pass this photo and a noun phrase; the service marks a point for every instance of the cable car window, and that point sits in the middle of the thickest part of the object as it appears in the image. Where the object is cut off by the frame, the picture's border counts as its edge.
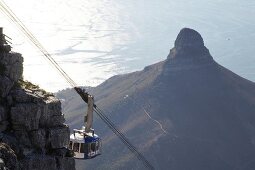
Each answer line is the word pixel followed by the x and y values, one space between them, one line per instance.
pixel 82 148
pixel 76 147
pixel 86 148
pixel 97 145
pixel 93 147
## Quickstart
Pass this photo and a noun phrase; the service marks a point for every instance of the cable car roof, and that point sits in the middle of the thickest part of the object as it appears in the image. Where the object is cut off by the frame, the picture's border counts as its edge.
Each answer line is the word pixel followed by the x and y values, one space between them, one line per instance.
pixel 79 138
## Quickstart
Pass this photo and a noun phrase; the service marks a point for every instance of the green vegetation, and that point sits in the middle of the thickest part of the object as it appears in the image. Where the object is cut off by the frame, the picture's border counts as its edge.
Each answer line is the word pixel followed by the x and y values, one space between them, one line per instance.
pixel 28 85
pixel 35 88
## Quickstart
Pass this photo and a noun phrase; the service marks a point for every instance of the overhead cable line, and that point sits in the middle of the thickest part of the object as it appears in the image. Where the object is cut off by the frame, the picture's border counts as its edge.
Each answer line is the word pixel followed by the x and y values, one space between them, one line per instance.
pixel 131 147
pixel 8 12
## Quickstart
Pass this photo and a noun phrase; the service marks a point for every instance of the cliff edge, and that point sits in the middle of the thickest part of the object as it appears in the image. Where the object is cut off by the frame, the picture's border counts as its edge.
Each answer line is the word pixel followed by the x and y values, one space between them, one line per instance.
pixel 33 135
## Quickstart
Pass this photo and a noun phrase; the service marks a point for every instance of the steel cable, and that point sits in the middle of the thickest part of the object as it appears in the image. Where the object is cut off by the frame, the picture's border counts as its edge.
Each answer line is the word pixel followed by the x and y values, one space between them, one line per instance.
pixel 8 12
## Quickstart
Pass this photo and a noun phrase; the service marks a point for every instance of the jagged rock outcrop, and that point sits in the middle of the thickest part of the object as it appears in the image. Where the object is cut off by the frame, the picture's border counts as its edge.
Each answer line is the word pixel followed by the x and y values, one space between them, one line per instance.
pixel 188 52
pixel 31 122
pixel 189 45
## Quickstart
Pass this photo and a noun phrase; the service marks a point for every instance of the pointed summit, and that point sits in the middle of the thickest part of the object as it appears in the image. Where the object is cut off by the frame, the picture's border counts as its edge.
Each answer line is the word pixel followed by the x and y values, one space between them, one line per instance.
pixel 189 44
pixel 188 38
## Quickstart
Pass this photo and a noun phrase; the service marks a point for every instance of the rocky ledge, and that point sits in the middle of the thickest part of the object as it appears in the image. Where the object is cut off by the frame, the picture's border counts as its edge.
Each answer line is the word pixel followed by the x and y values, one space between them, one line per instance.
pixel 33 135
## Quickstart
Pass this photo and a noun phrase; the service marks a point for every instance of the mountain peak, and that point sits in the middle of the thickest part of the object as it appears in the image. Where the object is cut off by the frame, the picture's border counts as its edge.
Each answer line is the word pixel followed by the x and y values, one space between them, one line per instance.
pixel 188 38
pixel 189 44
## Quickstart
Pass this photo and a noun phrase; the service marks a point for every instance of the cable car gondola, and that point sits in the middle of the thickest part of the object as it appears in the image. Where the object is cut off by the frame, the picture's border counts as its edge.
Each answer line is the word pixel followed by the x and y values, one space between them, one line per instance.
pixel 85 145
pixel 84 142
pixel 87 136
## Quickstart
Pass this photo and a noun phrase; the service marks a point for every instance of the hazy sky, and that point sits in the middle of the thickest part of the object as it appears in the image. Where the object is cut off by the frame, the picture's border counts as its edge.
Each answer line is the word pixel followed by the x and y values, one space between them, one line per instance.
pixel 95 39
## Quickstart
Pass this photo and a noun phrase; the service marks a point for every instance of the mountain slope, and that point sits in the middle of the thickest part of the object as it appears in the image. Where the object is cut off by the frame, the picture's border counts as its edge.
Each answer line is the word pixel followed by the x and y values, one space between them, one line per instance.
pixel 186 112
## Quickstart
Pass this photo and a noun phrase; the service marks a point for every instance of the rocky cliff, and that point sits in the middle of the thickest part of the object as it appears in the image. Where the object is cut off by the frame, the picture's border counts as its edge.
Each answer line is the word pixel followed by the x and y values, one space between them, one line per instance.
pixel 33 135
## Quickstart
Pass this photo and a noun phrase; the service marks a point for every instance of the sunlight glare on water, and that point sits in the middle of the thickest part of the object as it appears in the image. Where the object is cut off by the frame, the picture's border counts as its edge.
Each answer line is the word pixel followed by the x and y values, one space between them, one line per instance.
pixel 80 35
pixel 93 40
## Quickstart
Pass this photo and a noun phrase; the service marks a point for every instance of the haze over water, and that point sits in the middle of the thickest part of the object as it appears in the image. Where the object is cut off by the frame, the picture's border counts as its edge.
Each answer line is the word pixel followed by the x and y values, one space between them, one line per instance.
pixel 93 40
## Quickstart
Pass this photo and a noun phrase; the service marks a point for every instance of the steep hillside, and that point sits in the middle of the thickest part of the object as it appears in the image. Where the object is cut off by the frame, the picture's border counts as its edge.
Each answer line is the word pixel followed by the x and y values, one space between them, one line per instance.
pixel 33 135
pixel 187 112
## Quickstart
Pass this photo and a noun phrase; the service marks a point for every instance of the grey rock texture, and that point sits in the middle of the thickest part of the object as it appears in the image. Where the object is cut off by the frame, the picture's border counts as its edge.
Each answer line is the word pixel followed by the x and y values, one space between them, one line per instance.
pixel 188 38
pixel 188 53
pixel 13 65
pixel 31 122
pixel 59 137
pixel 42 162
pixel 8 157
pixel 39 162
pixel 189 48
pixel 64 163
pixel 5 86
pixel 38 138
pixel 3 114
pixel 25 116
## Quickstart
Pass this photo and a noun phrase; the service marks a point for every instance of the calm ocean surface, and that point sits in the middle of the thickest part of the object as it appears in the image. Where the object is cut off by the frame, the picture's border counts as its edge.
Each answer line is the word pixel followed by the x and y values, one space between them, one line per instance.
pixel 95 39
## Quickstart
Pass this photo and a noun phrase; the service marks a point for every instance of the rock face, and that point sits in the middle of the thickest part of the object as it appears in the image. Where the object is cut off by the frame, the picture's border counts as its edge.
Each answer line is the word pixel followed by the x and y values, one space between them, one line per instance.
pixel 188 52
pixel 32 129
pixel 8 157
pixel 188 39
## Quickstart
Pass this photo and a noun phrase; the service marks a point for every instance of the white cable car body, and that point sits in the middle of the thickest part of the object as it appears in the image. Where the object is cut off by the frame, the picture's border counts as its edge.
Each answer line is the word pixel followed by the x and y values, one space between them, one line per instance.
pixel 84 142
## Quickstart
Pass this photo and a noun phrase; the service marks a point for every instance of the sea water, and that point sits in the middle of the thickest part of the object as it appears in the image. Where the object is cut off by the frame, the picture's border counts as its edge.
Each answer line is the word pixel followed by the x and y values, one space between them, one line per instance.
pixel 93 40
